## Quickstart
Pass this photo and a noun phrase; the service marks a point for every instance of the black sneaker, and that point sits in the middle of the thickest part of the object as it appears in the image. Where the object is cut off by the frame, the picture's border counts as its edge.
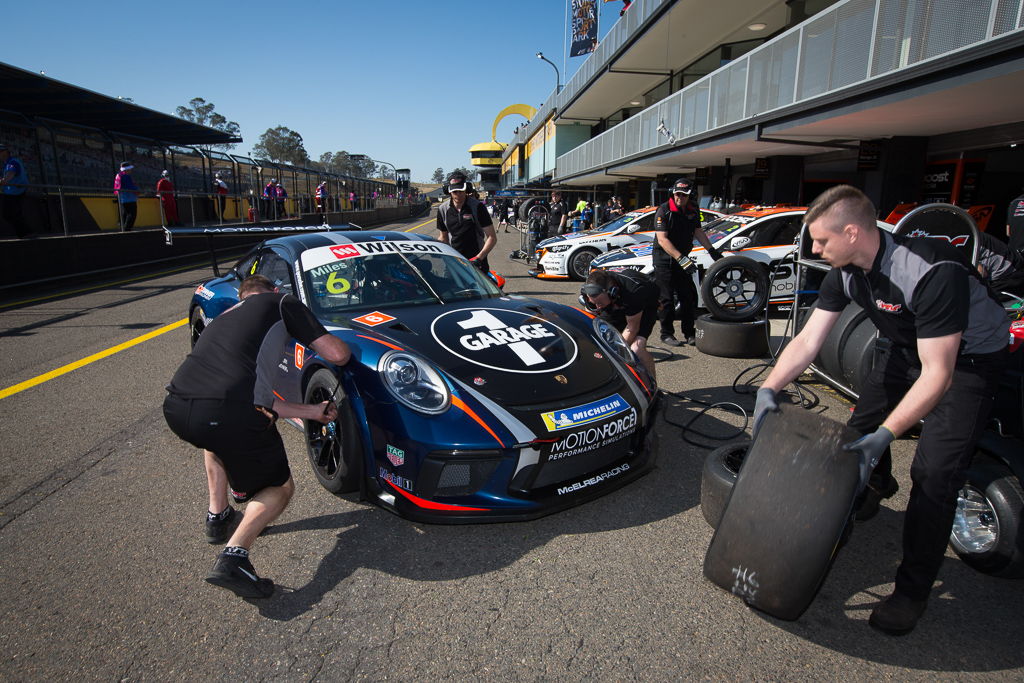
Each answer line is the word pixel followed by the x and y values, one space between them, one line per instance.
pixel 670 340
pixel 237 574
pixel 219 530
pixel 870 500
pixel 897 615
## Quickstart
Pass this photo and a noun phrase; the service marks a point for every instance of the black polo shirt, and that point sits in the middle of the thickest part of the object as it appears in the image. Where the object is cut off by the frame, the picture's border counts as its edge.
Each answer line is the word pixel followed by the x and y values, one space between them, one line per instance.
pixel 920 288
pixel 679 224
pixel 556 211
pixel 466 238
pixel 247 339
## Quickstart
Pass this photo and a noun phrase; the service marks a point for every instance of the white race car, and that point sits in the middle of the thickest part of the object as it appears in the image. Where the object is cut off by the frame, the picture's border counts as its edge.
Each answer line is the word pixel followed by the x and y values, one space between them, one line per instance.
pixel 567 257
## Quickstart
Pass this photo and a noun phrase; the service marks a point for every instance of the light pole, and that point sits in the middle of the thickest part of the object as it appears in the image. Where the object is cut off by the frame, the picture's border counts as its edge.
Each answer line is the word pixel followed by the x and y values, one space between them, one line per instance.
pixel 363 157
pixel 558 75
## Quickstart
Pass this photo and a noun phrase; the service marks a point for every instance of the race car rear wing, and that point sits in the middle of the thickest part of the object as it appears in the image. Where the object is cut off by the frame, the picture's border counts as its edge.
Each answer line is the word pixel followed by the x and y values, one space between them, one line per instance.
pixel 213 230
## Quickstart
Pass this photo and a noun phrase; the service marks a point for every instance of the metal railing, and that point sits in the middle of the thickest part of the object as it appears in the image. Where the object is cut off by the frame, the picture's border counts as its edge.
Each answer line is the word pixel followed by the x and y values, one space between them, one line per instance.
pixel 850 43
pixel 56 207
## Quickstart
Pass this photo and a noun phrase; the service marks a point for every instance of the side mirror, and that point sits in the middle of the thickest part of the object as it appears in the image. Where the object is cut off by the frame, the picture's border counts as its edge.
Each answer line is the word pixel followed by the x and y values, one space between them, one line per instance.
pixel 737 243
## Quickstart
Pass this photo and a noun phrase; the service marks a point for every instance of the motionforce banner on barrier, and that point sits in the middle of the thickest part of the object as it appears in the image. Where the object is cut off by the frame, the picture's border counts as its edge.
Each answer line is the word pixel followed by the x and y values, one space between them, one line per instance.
pixel 583 36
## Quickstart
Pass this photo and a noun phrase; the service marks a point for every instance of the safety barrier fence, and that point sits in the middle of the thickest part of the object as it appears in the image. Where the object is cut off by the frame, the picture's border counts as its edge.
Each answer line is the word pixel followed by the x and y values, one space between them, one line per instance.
pixel 67 209
pixel 850 43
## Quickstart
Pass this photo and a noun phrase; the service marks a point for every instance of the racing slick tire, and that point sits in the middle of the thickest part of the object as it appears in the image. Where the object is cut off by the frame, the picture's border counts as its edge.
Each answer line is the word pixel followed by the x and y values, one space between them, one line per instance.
pixel 788 513
pixel 732 339
pixel 333 449
pixel 579 265
pixel 196 325
pixel 735 289
pixel 987 532
pixel 524 208
pixel 720 470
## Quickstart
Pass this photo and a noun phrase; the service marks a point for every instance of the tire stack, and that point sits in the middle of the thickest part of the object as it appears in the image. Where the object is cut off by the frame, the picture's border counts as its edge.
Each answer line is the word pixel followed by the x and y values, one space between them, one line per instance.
pixel 735 293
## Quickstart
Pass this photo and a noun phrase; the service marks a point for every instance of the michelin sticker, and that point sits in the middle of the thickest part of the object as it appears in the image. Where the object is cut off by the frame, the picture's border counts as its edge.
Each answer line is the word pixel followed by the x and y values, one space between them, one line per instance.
pixel 504 340
pixel 584 414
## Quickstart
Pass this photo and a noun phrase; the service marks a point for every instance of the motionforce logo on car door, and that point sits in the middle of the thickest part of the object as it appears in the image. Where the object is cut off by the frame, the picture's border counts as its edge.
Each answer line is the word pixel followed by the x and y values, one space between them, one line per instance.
pixel 504 340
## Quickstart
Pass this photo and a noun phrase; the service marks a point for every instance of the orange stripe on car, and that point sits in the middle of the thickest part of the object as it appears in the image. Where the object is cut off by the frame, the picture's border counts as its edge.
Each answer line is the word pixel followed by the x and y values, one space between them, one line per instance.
pixel 461 405
pixel 381 341
pixel 430 505
pixel 639 380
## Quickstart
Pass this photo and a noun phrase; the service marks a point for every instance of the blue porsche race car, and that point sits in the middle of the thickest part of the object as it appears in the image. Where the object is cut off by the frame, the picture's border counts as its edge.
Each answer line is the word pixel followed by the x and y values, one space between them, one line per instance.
pixel 460 403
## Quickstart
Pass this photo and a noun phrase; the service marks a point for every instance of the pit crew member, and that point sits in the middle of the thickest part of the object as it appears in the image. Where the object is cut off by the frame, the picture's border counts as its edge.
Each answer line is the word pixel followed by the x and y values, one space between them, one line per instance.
pixel 629 301
pixel 949 340
pixel 221 400
pixel 676 223
pixel 463 222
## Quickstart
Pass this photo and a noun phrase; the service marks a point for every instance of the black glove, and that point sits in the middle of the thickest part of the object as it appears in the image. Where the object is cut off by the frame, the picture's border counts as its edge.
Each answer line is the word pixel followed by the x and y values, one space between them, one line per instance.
pixel 764 404
pixel 715 254
pixel 685 263
pixel 870 448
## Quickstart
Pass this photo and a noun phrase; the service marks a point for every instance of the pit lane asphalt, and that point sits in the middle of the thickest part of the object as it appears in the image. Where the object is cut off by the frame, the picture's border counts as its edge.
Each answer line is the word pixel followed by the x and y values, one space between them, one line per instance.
pixel 102 555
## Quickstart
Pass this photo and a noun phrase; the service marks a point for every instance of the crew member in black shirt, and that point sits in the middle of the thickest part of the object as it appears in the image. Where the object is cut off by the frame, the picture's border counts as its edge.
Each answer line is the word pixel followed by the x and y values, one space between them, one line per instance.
pixel 629 301
pixel 1015 224
pixel 949 345
pixel 463 222
pixel 676 223
pixel 221 400
pixel 558 213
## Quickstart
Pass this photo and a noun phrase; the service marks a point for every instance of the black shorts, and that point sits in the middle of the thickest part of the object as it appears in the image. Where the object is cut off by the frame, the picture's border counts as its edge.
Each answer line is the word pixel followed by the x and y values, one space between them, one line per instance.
pixel 243 438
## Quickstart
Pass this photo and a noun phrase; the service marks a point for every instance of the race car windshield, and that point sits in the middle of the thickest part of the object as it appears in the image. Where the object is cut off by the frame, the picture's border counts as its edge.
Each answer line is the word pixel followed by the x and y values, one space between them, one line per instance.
pixel 615 224
pixel 723 227
pixel 368 283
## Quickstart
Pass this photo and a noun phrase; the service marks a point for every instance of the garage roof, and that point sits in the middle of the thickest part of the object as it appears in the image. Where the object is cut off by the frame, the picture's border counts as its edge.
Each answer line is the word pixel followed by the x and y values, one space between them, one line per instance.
pixel 35 95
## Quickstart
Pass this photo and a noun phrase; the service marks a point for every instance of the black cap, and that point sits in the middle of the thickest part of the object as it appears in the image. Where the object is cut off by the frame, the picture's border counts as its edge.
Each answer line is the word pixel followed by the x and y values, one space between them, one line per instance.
pixel 682 185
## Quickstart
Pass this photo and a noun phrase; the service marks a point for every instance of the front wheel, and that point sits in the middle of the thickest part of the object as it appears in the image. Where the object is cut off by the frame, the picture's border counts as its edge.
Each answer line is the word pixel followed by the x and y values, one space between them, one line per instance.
pixel 987 528
pixel 333 449
pixel 196 325
pixel 579 264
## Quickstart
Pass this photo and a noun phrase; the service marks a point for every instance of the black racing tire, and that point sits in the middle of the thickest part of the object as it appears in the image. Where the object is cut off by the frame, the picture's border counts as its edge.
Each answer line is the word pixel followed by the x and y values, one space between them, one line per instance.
pixel 578 266
pixel 720 470
pixel 858 354
pixel 732 339
pixel 735 289
pixel 524 208
pixel 788 513
pixel 196 325
pixel 987 532
pixel 334 450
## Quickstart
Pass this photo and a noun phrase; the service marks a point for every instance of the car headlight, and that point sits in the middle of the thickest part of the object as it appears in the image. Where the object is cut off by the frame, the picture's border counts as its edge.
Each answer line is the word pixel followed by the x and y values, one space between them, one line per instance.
pixel 558 248
pixel 613 340
pixel 414 382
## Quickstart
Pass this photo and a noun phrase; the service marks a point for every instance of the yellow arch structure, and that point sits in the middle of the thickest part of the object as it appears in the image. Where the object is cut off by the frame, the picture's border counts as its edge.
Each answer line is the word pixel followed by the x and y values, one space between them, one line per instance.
pixel 521 109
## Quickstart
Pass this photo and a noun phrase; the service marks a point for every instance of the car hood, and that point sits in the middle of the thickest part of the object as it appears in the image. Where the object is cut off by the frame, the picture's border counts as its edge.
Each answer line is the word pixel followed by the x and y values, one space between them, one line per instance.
pixel 516 350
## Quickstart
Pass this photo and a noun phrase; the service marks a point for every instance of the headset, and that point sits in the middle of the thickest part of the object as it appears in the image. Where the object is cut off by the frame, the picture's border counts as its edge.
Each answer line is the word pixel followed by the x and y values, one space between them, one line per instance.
pixel 466 185
pixel 592 289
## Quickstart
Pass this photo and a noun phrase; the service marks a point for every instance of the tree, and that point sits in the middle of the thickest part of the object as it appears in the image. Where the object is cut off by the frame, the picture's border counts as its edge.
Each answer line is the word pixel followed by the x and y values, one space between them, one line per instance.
pixel 386 172
pixel 281 144
pixel 202 112
pixel 470 175
pixel 438 176
pixel 343 163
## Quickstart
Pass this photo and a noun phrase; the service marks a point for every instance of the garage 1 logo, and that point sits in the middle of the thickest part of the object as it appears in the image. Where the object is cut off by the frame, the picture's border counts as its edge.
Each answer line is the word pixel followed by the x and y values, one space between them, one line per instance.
pixel 505 340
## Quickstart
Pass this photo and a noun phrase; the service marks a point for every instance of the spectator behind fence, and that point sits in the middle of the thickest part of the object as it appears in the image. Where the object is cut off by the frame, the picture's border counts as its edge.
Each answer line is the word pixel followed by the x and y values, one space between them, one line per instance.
pixel 165 190
pixel 280 194
pixel 322 195
pixel 127 193
pixel 270 199
pixel 221 188
pixel 13 183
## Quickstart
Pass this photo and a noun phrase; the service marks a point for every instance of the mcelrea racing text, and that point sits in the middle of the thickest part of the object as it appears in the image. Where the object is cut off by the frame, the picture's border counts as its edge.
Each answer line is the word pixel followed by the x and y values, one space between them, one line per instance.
pixel 594 480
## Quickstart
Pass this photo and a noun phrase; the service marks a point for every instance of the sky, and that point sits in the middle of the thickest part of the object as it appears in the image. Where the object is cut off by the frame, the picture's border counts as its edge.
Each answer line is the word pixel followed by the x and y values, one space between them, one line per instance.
pixel 414 84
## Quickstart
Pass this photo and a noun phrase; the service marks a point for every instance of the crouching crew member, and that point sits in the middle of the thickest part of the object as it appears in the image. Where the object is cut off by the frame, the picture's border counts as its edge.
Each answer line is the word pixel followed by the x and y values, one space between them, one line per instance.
pixel 949 339
pixel 463 222
pixel 676 223
pixel 629 302
pixel 221 400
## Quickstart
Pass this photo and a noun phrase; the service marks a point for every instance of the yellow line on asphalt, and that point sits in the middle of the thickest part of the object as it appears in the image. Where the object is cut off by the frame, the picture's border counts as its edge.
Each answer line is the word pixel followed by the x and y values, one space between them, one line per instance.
pixel 429 220
pixel 27 384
